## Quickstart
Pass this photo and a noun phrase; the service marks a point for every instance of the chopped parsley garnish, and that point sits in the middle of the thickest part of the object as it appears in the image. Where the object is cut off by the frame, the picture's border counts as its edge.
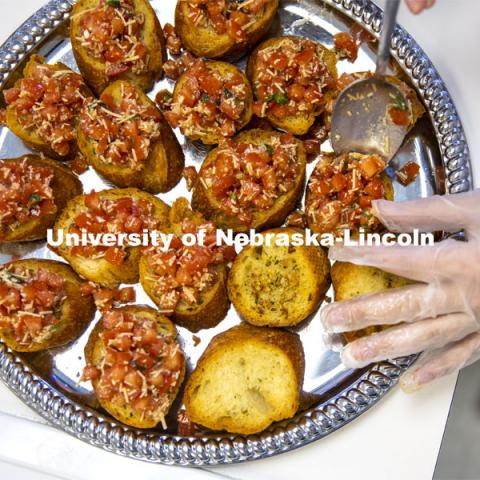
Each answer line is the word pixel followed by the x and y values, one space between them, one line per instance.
pixel 399 103
pixel 269 149
pixel 113 3
pixel 278 98
pixel 227 92
pixel 167 97
pixel 205 98
pixel 35 198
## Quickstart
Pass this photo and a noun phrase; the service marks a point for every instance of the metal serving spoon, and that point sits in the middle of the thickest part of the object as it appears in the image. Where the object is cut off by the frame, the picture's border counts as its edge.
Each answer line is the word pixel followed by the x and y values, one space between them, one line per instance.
pixel 361 121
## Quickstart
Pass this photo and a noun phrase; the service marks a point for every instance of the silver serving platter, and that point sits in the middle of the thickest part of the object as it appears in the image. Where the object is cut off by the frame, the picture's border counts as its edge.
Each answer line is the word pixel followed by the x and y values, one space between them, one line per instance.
pixel 49 382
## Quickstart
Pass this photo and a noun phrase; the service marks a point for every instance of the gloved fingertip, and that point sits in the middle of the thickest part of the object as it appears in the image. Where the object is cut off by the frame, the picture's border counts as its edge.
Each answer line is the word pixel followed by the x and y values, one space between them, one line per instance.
pixel 408 383
pixel 331 319
pixel 382 210
pixel 349 360
pixel 340 253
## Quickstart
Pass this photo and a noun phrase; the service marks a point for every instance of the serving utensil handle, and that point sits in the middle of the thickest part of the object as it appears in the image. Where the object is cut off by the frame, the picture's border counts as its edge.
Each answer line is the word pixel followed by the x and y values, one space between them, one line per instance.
pixel 389 22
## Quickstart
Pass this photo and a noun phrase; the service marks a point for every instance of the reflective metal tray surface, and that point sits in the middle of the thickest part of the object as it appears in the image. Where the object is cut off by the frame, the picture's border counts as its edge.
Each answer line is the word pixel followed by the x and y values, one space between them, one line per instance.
pixel 333 396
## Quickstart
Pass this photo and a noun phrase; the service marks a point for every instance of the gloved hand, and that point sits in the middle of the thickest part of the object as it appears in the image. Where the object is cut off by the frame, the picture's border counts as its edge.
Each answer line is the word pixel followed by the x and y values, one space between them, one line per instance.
pixel 439 316
pixel 417 6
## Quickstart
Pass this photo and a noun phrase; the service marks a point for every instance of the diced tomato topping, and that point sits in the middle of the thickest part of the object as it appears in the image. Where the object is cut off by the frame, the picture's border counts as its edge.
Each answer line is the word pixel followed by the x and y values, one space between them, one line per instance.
pixel 112 33
pixel 115 255
pixel 346 46
pixel 31 301
pixel 247 176
pixel 48 101
pixel 408 173
pixel 122 215
pixel 292 79
pixel 183 272
pixel 208 101
pixel 341 190
pixel 141 363
pixel 399 116
pixel 25 193
pixel 371 165
pixel 124 129
pixel 232 18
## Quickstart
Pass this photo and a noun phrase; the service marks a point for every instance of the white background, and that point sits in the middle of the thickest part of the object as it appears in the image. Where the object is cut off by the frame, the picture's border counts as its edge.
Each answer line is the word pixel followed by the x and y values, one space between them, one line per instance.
pixel 398 439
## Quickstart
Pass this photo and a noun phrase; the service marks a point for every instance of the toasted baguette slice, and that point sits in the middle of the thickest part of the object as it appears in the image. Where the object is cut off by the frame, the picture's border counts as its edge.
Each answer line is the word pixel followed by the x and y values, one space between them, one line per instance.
pixel 163 167
pixel 279 286
pixel 213 304
pixel 30 136
pixel 203 41
pixel 248 378
pixel 93 69
pixel 224 71
pixel 65 186
pixel 351 281
pixel 75 313
pixel 300 123
pixel 205 201
pixel 95 353
pixel 100 270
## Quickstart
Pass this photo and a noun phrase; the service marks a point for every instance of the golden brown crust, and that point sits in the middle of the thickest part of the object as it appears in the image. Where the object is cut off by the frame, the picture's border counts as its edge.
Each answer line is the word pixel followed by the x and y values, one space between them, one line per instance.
pixel 76 312
pixel 204 201
pixel 94 70
pixel 94 353
pixel 299 124
pixel 100 270
pixel 29 137
pixel 162 169
pixel 222 68
pixel 223 346
pixel 204 41
pixel 65 186
pixel 294 281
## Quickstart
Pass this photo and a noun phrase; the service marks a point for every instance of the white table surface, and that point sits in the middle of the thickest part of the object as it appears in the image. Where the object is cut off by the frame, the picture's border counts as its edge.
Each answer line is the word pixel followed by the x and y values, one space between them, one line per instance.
pixel 397 439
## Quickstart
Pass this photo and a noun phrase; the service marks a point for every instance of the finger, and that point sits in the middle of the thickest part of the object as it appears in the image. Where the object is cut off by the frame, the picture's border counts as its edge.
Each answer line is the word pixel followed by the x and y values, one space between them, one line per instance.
pixel 423 264
pixel 408 304
pixel 415 6
pixel 447 212
pixel 406 339
pixel 441 362
pixel 430 3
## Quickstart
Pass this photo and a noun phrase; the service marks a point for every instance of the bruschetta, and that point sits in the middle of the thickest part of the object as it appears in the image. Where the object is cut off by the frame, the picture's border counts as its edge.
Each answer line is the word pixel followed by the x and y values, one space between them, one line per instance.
pixel 340 193
pixel 252 181
pixel 42 306
pixel 219 28
pixel 43 107
pixel 293 78
pixel 117 40
pixel 120 211
pixel 188 283
pixel 33 192
pixel 279 285
pixel 135 364
pixel 211 101
pixel 247 378
pixel 351 281
pixel 127 141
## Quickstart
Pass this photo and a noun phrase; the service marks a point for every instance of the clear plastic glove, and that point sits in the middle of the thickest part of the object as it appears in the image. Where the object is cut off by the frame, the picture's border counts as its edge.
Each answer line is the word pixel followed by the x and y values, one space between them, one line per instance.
pixel 439 316
pixel 417 6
